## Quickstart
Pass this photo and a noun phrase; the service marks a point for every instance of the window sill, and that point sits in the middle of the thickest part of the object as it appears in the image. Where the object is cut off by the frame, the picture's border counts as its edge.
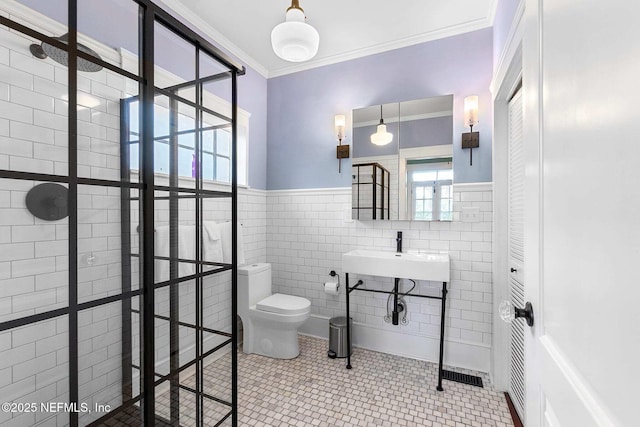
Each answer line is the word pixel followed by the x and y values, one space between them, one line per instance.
pixel 189 182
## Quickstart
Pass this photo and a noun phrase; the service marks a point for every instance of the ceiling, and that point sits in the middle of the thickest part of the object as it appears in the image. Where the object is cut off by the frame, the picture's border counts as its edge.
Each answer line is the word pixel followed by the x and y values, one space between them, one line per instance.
pixel 347 29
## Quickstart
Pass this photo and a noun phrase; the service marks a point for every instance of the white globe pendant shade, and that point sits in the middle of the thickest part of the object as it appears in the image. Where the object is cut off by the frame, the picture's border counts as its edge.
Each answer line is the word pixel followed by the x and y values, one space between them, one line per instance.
pixel 294 40
pixel 381 137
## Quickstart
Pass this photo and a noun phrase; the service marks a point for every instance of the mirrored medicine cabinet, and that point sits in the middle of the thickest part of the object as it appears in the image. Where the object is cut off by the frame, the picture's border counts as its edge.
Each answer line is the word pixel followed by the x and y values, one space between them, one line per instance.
pixel 403 170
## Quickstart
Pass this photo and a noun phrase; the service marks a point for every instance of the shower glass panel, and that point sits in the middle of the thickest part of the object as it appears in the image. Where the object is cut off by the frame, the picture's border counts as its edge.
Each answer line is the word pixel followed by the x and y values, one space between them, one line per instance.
pixel 117 143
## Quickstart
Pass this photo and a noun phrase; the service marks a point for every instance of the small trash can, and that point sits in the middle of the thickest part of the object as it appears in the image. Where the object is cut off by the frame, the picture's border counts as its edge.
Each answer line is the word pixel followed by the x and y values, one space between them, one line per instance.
pixel 338 337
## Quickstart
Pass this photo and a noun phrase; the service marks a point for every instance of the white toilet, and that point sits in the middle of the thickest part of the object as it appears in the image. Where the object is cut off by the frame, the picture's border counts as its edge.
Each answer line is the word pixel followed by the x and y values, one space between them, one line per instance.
pixel 270 321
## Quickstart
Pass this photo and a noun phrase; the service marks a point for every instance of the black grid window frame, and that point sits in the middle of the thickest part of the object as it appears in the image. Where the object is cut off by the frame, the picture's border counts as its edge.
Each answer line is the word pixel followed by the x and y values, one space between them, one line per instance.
pixel 214 152
pixel 149 14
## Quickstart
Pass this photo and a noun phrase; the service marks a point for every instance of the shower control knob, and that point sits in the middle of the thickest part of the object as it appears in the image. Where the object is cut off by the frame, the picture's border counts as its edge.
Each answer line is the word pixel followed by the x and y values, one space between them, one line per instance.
pixel 508 312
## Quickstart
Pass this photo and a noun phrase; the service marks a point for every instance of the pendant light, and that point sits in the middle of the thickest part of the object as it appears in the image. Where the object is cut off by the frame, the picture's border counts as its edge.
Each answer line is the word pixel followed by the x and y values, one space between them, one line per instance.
pixel 381 137
pixel 294 40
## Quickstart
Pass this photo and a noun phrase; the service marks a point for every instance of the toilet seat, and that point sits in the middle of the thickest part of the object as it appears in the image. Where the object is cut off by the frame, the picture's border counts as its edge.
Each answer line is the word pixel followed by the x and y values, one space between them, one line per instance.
pixel 284 304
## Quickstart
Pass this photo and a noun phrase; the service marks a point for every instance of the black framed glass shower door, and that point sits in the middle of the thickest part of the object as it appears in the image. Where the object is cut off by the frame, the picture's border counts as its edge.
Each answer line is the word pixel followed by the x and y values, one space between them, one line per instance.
pixel 109 320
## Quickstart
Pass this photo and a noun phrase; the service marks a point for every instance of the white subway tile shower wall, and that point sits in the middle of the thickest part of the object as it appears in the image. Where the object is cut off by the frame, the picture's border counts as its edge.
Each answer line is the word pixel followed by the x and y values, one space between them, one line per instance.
pixel 308 231
pixel 34 252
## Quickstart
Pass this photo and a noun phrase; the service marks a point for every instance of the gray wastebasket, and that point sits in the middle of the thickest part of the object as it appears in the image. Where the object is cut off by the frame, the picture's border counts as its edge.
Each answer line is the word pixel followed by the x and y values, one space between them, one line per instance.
pixel 338 337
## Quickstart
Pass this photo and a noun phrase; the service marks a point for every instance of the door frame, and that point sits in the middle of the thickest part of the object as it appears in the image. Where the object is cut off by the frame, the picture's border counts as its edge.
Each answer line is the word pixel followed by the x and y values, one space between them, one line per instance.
pixel 507 76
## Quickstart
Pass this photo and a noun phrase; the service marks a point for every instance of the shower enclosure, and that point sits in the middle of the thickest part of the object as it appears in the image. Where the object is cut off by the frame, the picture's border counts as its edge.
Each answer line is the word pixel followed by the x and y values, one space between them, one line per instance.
pixel 118 136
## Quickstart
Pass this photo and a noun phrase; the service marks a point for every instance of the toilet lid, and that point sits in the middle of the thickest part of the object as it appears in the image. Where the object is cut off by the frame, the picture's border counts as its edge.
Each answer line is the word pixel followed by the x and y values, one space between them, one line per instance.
pixel 284 304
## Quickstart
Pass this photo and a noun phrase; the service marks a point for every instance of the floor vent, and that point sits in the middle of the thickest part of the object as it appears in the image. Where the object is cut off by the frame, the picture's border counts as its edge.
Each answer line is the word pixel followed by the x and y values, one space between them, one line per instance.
pixel 462 378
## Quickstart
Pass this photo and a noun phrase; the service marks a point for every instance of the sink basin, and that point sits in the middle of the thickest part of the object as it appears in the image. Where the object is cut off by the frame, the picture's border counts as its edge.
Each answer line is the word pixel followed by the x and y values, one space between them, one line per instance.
pixel 410 265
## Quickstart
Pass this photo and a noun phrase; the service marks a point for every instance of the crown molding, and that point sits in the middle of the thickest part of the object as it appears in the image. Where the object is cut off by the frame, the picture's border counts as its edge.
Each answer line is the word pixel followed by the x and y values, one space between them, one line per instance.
pixel 474 25
pixel 493 10
pixel 215 35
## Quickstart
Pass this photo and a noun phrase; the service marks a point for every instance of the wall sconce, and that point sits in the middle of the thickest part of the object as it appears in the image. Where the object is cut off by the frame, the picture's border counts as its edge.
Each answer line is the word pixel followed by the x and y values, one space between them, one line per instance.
pixel 471 139
pixel 342 151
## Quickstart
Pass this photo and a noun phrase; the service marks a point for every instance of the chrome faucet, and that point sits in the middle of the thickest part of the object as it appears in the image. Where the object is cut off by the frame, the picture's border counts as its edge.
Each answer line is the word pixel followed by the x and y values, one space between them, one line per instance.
pixel 399 242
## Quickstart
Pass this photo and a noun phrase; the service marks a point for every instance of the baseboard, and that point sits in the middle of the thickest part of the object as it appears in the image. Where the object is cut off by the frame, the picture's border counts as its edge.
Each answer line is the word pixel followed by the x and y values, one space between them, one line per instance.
pixel 517 422
pixel 422 347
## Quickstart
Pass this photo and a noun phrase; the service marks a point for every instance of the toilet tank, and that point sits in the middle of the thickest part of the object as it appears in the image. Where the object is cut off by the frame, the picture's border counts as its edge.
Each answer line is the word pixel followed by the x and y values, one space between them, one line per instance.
pixel 254 283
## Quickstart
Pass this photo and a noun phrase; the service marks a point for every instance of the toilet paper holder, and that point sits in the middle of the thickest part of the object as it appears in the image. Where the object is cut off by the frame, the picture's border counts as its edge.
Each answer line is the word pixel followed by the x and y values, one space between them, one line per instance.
pixel 333 273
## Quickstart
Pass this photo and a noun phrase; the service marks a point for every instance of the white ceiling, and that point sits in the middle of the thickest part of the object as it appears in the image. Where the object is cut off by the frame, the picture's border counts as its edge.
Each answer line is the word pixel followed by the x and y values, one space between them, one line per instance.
pixel 348 28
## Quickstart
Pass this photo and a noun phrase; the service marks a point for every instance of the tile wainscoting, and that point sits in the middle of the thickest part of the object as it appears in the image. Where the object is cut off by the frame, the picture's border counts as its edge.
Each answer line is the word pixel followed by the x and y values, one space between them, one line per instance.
pixel 308 230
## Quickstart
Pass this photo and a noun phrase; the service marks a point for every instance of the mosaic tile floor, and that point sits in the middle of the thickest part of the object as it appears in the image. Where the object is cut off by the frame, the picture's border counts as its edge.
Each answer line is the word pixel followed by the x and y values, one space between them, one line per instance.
pixel 380 390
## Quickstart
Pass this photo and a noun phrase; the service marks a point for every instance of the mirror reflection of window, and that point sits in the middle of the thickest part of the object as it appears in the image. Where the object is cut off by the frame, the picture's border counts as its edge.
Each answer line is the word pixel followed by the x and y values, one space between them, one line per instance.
pixel 431 185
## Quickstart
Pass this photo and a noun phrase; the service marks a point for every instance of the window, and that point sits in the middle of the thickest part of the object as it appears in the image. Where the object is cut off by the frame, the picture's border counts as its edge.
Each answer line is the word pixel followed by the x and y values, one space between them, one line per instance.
pixel 216 145
pixel 431 183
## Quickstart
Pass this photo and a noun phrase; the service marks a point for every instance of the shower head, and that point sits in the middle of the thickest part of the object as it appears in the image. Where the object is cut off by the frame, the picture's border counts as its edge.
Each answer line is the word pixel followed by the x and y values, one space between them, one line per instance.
pixel 45 50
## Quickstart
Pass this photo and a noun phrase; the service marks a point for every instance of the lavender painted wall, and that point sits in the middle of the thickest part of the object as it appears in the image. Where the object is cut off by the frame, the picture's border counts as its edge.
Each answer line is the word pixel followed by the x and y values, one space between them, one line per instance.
pixel 300 142
pixel 120 30
pixel 426 132
pixel 505 13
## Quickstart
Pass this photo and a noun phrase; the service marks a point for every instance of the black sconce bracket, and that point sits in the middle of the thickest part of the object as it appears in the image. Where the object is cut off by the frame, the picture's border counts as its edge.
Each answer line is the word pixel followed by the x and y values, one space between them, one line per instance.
pixel 342 152
pixel 471 140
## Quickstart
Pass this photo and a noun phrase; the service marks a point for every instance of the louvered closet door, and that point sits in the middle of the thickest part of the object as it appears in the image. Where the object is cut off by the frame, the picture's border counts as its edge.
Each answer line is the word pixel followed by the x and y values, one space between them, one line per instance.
pixel 516 245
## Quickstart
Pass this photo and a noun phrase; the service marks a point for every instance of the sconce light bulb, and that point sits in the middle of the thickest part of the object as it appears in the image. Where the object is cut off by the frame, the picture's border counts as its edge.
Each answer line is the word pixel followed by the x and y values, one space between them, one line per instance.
pixel 340 123
pixel 470 110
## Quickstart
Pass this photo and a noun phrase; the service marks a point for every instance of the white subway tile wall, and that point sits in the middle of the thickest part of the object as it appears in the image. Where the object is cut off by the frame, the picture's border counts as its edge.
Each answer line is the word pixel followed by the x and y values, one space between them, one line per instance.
pixel 307 233
pixel 34 252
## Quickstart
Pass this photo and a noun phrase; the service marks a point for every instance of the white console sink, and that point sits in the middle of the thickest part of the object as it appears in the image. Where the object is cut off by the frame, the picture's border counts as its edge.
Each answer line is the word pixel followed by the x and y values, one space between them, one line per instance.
pixel 410 265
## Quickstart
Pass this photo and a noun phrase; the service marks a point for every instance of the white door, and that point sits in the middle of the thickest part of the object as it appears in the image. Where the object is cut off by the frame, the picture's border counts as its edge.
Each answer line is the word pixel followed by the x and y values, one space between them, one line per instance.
pixel 581 71
pixel 516 250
